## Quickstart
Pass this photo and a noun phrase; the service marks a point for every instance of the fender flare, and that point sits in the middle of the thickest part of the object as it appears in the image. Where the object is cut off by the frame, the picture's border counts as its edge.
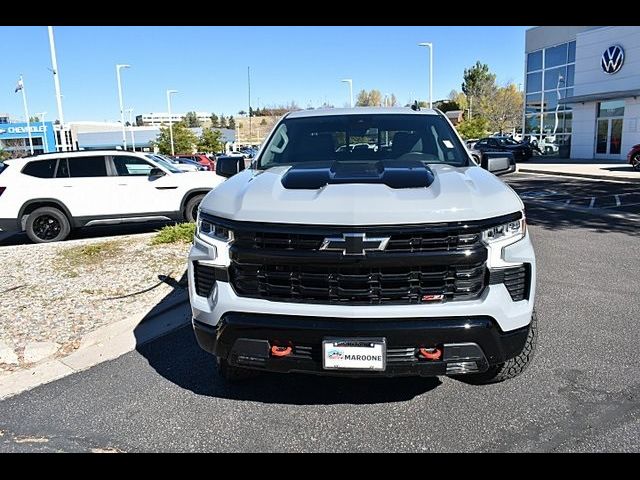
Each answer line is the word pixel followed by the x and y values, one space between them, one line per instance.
pixel 54 201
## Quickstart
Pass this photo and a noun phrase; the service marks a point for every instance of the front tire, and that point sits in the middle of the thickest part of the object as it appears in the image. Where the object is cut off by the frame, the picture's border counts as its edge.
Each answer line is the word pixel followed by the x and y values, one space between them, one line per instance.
pixel 191 208
pixel 46 225
pixel 511 368
pixel 635 162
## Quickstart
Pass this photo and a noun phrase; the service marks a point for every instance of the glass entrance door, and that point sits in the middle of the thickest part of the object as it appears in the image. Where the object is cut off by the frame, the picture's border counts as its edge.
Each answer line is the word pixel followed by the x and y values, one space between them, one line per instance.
pixel 608 137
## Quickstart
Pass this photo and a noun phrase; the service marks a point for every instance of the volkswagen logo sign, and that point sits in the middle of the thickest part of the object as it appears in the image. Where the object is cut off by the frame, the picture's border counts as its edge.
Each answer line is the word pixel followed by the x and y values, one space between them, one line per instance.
pixel 612 59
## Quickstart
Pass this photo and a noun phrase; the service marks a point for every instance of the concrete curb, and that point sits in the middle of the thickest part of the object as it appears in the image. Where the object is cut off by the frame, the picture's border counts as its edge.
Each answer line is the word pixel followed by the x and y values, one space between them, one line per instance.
pixel 580 175
pixel 106 343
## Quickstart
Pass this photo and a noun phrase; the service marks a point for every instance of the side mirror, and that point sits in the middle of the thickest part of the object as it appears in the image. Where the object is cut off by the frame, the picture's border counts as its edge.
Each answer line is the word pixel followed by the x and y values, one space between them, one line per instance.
pixel 228 166
pixel 156 172
pixel 498 163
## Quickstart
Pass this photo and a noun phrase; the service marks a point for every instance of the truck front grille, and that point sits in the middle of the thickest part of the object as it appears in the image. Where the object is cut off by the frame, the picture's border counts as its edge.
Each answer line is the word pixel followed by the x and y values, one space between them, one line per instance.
pixel 358 285
pixel 419 263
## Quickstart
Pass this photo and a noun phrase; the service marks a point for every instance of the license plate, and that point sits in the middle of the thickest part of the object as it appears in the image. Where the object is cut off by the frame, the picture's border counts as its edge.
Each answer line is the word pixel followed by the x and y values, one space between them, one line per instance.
pixel 354 354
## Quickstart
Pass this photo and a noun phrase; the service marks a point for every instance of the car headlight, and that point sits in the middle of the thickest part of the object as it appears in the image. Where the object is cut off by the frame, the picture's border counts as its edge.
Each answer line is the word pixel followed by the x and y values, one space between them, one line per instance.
pixel 514 230
pixel 207 228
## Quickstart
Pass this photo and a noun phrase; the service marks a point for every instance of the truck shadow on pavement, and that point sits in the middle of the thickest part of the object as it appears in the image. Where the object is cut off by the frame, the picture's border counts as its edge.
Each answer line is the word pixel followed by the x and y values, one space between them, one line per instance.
pixel 178 358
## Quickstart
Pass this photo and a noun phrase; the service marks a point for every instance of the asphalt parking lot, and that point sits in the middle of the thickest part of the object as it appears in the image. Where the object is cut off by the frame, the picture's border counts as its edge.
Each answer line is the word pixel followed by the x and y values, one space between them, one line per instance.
pixel 581 392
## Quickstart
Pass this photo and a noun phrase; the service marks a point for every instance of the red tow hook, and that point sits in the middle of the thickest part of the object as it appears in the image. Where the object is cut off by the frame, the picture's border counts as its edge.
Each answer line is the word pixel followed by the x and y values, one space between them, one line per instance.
pixel 430 353
pixel 278 351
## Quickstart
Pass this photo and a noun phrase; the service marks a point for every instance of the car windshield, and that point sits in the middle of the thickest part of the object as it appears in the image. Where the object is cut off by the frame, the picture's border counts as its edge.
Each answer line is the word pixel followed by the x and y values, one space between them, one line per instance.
pixel 3 166
pixel 369 137
pixel 507 141
pixel 165 163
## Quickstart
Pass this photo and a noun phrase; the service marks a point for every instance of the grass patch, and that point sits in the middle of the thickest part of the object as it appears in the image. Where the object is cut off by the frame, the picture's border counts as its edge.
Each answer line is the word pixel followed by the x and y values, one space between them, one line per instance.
pixel 91 254
pixel 182 232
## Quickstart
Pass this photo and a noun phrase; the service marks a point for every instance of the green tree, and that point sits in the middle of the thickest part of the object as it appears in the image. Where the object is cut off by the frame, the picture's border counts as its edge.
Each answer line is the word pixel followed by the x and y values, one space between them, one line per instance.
pixel 242 113
pixel 232 123
pixel 263 121
pixel 223 121
pixel 191 119
pixel 210 141
pixel 473 128
pixel 479 83
pixel 215 121
pixel 183 139
pixel 34 119
pixel 503 108
pixel 446 105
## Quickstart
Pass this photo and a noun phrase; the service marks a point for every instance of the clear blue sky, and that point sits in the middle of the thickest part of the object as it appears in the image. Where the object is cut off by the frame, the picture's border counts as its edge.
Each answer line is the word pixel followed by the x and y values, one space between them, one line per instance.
pixel 208 65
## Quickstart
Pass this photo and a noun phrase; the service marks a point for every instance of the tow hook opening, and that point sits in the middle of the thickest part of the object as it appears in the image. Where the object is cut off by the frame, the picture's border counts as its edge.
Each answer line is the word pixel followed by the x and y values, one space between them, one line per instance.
pixel 430 353
pixel 280 351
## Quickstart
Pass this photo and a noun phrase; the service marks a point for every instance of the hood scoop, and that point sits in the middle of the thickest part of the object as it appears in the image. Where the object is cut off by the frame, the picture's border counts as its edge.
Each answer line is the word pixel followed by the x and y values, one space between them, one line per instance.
pixel 392 173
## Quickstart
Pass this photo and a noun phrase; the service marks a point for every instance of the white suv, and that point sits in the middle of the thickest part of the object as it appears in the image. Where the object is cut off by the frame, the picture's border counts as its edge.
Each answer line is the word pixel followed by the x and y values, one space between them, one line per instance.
pixel 48 195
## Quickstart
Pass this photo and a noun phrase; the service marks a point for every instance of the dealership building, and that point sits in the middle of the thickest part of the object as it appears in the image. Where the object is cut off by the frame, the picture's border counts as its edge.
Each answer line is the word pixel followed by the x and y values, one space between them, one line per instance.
pixel 582 89
pixel 14 137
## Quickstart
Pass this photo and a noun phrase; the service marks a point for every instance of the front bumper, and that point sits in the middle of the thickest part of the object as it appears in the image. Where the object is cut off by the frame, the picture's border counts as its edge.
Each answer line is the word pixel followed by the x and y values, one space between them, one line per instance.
pixel 469 344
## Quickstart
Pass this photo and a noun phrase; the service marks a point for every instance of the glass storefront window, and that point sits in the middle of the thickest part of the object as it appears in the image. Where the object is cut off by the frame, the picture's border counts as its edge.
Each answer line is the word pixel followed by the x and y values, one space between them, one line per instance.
pixel 555 56
pixel 552 78
pixel 553 125
pixel 572 52
pixel 571 69
pixel 534 82
pixel 534 61
pixel 532 124
pixel 611 108
pixel 534 103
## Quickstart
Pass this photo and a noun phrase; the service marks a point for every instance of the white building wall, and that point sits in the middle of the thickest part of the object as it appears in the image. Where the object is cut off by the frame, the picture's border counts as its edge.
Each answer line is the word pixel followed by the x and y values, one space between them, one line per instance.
pixel 630 127
pixel 589 76
pixel 591 79
pixel 584 130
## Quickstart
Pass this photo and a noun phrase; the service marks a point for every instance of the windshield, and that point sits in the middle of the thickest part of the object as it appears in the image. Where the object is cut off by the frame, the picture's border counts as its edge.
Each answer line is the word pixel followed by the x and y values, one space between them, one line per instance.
pixel 369 137
pixel 507 141
pixel 165 163
pixel 3 166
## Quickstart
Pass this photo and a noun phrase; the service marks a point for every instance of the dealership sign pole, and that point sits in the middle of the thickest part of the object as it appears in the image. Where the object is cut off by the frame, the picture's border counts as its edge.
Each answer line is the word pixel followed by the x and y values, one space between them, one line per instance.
pixel 20 87
pixel 56 82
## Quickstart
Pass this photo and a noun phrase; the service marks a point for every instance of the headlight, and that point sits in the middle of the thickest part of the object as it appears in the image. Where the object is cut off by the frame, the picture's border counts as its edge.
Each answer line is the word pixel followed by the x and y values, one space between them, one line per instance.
pixel 513 230
pixel 211 230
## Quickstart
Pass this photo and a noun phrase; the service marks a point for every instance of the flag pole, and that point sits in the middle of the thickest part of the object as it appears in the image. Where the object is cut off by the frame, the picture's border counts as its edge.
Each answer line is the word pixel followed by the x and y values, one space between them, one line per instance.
pixel 26 114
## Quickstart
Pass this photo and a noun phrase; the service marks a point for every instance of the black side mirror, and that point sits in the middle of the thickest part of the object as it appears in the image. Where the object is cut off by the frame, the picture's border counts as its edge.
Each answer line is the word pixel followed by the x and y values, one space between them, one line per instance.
pixel 498 163
pixel 156 172
pixel 228 166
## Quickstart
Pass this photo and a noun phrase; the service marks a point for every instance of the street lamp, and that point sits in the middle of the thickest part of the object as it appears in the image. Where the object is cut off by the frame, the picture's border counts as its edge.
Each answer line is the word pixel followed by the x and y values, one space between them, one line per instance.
pixel 118 67
pixel 44 131
pixel 430 45
pixel 133 138
pixel 169 93
pixel 350 82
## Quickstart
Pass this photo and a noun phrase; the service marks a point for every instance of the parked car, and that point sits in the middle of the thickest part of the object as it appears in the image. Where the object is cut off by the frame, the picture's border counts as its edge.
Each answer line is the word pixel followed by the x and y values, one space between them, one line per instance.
pixel 409 261
pixel 521 151
pixel 49 195
pixel 633 157
pixel 183 164
pixel 200 158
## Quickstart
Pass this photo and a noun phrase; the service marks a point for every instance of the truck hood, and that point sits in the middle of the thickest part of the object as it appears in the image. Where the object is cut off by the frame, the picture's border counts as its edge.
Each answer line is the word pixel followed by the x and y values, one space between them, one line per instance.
pixel 455 194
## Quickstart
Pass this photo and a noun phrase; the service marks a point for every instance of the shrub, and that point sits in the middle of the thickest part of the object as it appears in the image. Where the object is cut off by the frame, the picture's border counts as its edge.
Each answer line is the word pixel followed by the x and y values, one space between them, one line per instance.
pixel 182 232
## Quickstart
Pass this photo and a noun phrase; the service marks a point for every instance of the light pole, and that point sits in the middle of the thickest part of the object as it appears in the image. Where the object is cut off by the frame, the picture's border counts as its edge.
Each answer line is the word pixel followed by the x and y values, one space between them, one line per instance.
pixel 133 138
pixel 430 45
pixel 350 82
pixel 56 82
pixel 169 93
pixel 20 87
pixel 124 137
pixel 44 131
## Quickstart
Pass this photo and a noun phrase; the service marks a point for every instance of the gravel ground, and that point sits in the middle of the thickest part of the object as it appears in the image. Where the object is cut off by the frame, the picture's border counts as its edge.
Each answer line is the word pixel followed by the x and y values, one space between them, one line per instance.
pixel 59 292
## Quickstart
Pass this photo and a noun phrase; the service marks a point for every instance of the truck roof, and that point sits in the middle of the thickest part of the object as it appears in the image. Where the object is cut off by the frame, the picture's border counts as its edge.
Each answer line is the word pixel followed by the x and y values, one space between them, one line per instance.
pixel 322 112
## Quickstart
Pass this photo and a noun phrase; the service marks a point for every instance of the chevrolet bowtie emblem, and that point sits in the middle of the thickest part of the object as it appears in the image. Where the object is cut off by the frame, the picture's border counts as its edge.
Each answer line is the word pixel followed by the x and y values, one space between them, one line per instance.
pixel 354 243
